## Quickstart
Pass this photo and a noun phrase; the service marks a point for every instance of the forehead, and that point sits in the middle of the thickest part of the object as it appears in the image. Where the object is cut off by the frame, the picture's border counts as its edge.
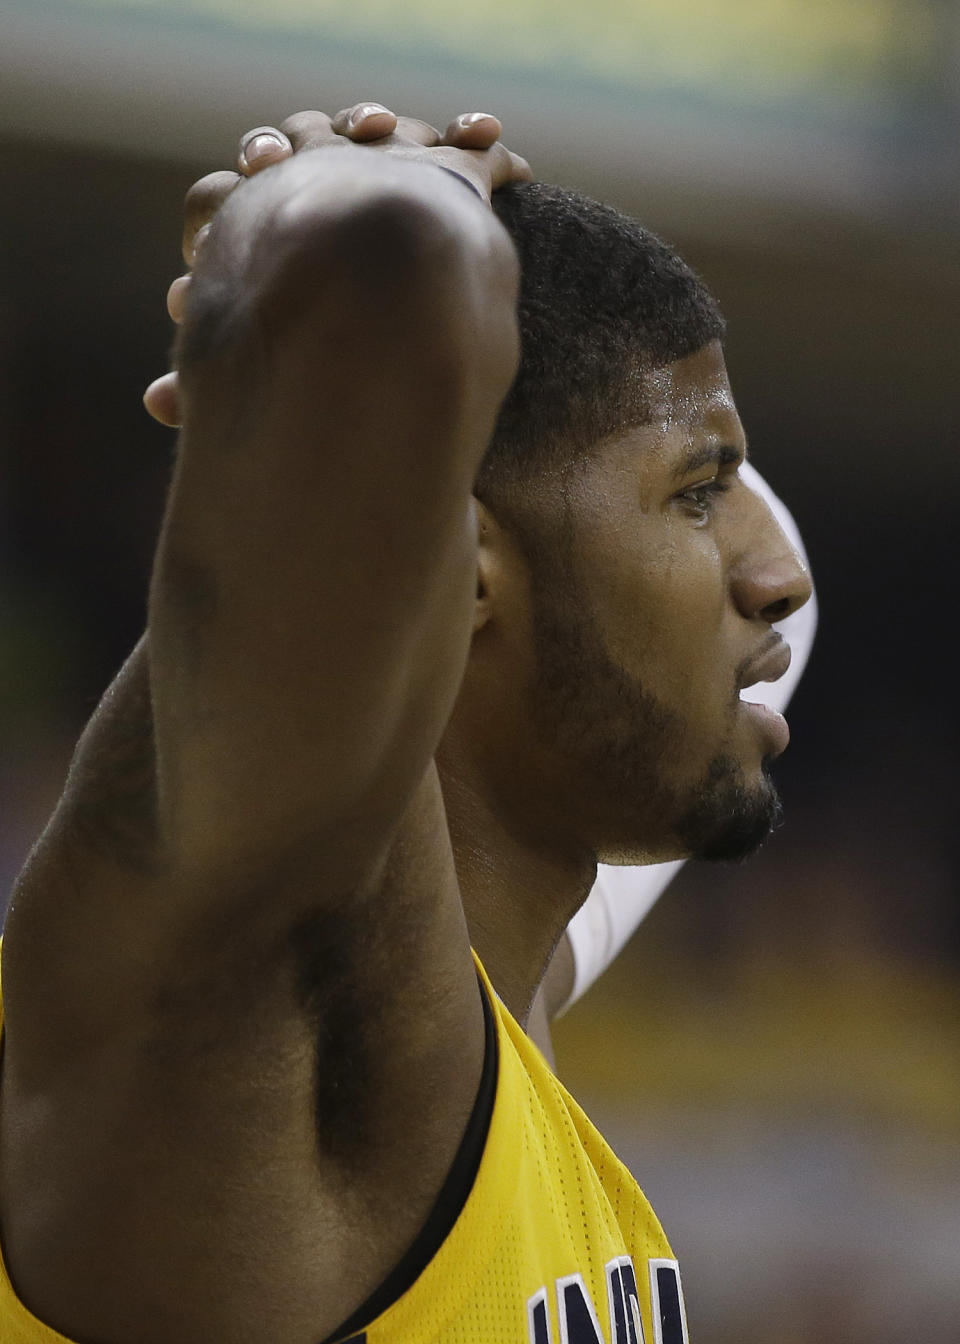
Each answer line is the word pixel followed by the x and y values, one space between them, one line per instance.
pixel 690 419
pixel 691 422
pixel 691 402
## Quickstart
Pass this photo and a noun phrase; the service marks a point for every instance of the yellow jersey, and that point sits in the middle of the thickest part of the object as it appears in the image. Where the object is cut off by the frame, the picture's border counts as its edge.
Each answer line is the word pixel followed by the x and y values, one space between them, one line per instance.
pixel 554 1244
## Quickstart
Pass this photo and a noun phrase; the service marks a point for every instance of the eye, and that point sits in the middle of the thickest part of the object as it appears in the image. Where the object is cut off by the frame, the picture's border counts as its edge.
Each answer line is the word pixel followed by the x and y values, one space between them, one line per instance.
pixel 702 497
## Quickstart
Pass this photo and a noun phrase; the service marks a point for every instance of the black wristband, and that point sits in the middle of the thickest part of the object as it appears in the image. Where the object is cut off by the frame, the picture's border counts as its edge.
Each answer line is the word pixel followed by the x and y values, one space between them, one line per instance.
pixel 465 180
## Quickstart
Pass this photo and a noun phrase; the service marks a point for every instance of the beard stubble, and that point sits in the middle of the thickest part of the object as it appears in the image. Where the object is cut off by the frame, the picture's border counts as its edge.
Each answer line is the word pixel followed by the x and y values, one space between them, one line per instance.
pixel 619 742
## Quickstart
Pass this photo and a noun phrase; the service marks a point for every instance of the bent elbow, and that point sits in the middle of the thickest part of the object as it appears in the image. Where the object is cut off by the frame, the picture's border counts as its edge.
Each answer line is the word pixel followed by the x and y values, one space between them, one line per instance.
pixel 406 255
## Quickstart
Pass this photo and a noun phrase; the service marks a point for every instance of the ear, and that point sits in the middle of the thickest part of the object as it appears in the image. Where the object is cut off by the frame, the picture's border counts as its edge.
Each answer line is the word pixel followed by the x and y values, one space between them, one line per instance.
pixel 495 561
pixel 485 567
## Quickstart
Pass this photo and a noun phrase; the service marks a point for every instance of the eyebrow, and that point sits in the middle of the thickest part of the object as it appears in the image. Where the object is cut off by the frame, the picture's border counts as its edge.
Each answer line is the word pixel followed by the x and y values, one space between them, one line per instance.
pixel 719 456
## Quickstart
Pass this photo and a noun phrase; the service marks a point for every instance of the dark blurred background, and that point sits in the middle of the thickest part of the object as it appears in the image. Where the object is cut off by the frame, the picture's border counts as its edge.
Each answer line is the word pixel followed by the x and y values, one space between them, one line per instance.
pixel 777 1054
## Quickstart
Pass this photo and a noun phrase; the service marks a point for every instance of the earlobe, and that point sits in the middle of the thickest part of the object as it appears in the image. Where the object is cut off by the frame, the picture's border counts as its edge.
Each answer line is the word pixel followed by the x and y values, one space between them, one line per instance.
pixel 481 611
pixel 501 574
pixel 486 563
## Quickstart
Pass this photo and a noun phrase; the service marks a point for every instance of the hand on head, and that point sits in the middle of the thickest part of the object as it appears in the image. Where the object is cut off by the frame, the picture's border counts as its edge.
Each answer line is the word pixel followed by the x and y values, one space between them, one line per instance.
pixel 470 147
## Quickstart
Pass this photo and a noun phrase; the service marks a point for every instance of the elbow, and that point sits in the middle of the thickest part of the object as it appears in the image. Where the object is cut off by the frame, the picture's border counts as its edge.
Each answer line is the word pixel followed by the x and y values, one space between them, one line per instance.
pixel 401 265
pixel 399 254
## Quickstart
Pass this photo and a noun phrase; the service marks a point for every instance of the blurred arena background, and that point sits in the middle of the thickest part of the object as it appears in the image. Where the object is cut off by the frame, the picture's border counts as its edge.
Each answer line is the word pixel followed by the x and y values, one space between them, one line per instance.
pixel 777 1055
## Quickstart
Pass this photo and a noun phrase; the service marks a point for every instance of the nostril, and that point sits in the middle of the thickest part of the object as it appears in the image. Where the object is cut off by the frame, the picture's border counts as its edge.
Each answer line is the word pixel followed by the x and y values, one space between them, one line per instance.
pixel 777 611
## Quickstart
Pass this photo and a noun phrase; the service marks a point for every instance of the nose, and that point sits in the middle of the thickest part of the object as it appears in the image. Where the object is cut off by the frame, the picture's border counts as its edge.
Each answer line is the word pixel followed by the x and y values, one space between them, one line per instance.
pixel 769 578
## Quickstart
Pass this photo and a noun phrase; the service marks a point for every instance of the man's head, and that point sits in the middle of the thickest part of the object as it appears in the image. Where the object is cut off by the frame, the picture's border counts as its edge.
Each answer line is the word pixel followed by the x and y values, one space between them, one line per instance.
pixel 628 577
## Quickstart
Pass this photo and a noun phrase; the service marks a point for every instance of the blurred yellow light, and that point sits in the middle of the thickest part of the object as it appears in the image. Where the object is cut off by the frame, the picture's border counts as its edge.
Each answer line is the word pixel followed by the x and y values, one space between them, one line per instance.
pixel 734 50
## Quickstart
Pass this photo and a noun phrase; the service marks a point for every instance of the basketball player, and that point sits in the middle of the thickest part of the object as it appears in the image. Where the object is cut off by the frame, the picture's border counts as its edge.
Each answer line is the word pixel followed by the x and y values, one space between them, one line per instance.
pixel 621 896
pixel 255 1085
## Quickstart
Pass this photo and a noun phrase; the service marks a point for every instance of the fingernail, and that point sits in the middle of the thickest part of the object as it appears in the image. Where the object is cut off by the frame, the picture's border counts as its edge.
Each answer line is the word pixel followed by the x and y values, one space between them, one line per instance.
pixel 262 146
pixel 471 118
pixel 366 110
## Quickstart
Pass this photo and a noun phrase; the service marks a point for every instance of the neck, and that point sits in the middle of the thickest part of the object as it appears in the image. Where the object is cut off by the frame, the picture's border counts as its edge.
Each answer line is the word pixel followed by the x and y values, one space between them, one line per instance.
pixel 519 889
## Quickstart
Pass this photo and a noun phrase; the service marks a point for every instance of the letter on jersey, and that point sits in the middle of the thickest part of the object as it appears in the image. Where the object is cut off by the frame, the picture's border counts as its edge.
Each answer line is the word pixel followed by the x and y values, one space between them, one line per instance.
pixel 666 1303
pixel 577 1314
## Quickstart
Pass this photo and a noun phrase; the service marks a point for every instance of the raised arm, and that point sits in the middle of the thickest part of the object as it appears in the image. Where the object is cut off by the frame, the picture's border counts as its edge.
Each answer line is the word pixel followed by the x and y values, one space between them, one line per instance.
pixel 204 1009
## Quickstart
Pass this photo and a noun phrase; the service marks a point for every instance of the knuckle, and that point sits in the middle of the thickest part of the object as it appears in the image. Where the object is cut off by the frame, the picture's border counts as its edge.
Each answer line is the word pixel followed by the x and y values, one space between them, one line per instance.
pixel 413 128
pixel 300 127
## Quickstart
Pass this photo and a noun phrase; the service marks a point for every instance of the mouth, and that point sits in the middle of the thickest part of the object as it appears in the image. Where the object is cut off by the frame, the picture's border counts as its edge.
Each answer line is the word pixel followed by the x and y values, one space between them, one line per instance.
pixel 771 726
pixel 769 663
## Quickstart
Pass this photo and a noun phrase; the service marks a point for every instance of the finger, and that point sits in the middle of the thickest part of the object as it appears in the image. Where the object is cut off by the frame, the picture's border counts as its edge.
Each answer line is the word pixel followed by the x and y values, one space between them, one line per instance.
pixel 496 166
pixel 162 400
pixel 177 297
pixel 202 202
pixel 308 130
pixel 199 238
pixel 365 121
pixel 261 147
pixel 473 130
pixel 504 166
pixel 520 170
pixel 420 132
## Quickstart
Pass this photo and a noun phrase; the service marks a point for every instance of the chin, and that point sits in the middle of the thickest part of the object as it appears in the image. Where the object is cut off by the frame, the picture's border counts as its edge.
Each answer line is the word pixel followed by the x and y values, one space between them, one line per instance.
pixel 729 819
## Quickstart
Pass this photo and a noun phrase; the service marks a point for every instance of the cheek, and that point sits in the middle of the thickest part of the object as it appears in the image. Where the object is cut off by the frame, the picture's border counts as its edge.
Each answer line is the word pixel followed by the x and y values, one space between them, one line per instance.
pixel 665 617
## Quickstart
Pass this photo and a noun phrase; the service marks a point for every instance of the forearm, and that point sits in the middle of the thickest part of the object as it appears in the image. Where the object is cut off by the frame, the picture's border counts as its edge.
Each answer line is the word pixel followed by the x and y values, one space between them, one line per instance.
pixel 310 607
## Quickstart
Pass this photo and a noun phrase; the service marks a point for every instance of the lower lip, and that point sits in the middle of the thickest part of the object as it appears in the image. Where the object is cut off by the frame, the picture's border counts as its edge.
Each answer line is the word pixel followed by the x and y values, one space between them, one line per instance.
pixel 770 725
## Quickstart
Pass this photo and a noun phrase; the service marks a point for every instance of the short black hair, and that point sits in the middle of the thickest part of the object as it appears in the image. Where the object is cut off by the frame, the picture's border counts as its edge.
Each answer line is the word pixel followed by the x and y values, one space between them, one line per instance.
pixel 602 302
